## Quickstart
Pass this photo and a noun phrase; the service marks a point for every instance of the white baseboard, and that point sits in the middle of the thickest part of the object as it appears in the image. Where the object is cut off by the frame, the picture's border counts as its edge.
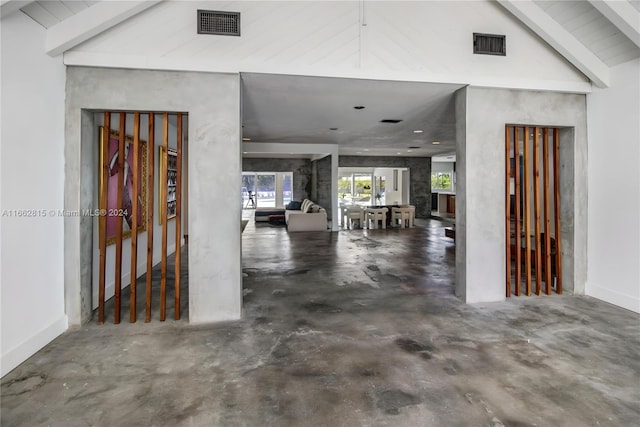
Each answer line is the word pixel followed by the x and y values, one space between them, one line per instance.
pixel 628 302
pixel 14 357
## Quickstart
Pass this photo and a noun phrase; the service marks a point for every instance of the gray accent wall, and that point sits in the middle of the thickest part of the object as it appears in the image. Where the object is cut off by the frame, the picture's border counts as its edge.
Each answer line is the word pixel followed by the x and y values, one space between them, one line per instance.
pixel 213 104
pixel 419 176
pixel 322 184
pixel 301 169
pixel 481 116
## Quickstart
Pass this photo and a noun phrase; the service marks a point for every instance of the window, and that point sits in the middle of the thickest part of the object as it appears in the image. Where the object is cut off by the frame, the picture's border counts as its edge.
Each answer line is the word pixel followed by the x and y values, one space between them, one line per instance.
pixel 266 189
pixel 441 180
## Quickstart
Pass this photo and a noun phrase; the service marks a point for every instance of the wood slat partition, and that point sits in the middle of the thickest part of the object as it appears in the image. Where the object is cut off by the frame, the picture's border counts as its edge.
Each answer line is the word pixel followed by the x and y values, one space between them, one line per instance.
pixel 527 211
pixel 129 182
pixel 102 219
pixel 517 199
pixel 134 218
pixel 150 199
pixel 507 137
pixel 547 211
pixel 536 207
pixel 536 179
pixel 163 214
pixel 119 207
pixel 556 193
pixel 178 216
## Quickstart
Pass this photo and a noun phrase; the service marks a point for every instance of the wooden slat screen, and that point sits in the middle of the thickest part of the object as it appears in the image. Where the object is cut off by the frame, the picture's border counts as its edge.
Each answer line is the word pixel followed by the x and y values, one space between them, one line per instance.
pixel 534 254
pixel 134 163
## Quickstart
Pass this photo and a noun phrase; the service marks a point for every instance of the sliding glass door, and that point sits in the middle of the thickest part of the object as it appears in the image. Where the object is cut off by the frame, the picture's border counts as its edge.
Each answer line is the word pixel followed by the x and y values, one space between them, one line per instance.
pixel 266 189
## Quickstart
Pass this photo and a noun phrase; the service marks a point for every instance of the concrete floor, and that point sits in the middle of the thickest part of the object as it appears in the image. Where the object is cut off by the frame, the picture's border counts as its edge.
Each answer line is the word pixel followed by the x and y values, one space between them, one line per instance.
pixel 356 328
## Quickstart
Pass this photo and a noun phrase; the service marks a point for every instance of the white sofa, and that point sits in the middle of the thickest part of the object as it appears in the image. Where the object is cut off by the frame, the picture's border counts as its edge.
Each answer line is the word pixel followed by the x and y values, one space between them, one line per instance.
pixel 310 217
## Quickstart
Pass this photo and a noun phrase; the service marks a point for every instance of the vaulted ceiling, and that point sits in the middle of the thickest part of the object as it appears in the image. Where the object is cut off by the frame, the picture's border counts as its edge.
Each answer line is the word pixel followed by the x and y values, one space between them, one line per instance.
pixel 593 35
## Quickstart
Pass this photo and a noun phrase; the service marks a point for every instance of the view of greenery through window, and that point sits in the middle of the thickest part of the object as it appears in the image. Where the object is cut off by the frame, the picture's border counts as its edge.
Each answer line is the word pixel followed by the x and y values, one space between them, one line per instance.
pixel 362 186
pixel 441 181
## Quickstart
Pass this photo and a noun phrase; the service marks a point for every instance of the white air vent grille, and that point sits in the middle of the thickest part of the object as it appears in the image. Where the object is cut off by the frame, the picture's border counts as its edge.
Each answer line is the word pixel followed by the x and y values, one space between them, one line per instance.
pixel 221 23
pixel 489 44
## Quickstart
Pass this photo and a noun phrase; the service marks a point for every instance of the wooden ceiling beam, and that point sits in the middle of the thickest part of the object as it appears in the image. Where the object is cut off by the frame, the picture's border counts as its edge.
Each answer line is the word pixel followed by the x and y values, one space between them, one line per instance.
pixel 621 14
pixel 560 39
pixel 91 22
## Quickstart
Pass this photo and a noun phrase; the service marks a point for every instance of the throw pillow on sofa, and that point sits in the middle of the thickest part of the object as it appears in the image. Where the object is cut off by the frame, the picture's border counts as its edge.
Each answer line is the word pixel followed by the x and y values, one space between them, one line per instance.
pixel 294 206
pixel 306 205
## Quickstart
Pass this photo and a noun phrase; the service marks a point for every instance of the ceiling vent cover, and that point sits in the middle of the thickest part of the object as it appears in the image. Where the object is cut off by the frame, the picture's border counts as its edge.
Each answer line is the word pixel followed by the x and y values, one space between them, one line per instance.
pixel 221 23
pixel 489 44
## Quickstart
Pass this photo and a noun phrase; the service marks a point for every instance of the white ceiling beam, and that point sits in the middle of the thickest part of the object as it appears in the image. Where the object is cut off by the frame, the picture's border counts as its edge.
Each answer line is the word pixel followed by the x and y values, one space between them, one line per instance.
pixel 91 22
pixel 7 7
pixel 623 15
pixel 560 39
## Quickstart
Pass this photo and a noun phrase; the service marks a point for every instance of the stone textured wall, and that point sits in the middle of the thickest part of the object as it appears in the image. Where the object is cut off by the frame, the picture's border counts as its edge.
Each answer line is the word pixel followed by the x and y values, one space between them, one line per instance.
pixel 322 193
pixel 301 169
pixel 419 176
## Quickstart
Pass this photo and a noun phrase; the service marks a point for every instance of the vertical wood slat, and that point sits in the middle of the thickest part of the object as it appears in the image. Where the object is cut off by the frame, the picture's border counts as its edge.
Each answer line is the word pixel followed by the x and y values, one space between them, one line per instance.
pixel 507 138
pixel 536 207
pixel 102 220
pixel 527 211
pixel 150 208
pixel 556 194
pixel 163 213
pixel 119 207
pixel 134 218
pixel 178 216
pixel 547 210
pixel 518 237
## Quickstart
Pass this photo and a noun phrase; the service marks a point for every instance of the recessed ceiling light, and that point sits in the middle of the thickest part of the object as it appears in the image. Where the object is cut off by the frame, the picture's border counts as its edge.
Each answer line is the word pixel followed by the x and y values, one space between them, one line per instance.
pixel 436 142
pixel 359 107
pixel 418 131
pixel 246 139
pixel 409 151
pixel 244 152
pixel 333 128
pixel 398 152
pixel 358 152
pixel 390 120
pixel 366 149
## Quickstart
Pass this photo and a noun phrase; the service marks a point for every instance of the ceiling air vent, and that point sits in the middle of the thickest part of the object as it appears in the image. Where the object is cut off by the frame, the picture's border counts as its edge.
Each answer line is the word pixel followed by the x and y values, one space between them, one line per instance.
pixel 221 23
pixel 390 121
pixel 489 44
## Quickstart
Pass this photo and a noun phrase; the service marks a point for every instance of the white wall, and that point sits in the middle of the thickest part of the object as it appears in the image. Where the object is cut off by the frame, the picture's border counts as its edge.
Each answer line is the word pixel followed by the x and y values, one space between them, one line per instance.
pixel 390 196
pixel 614 189
pixel 408 40
pixel 142 237
pixel 32 162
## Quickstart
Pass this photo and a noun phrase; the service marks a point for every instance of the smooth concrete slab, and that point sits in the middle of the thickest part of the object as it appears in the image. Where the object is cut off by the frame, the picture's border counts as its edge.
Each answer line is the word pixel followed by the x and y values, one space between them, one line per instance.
pixel 345 329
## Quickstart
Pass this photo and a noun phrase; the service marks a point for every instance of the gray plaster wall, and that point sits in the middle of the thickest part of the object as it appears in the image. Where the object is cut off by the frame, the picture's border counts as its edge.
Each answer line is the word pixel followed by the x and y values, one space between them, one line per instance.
pixel 419 176
pixel 301 169
pixel 481 116
pixel 461 188
pixel 323 184
pixel 213 104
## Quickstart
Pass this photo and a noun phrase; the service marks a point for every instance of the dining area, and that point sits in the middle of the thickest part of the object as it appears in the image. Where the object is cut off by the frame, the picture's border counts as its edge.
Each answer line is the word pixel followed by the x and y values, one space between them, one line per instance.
pixel 355 216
